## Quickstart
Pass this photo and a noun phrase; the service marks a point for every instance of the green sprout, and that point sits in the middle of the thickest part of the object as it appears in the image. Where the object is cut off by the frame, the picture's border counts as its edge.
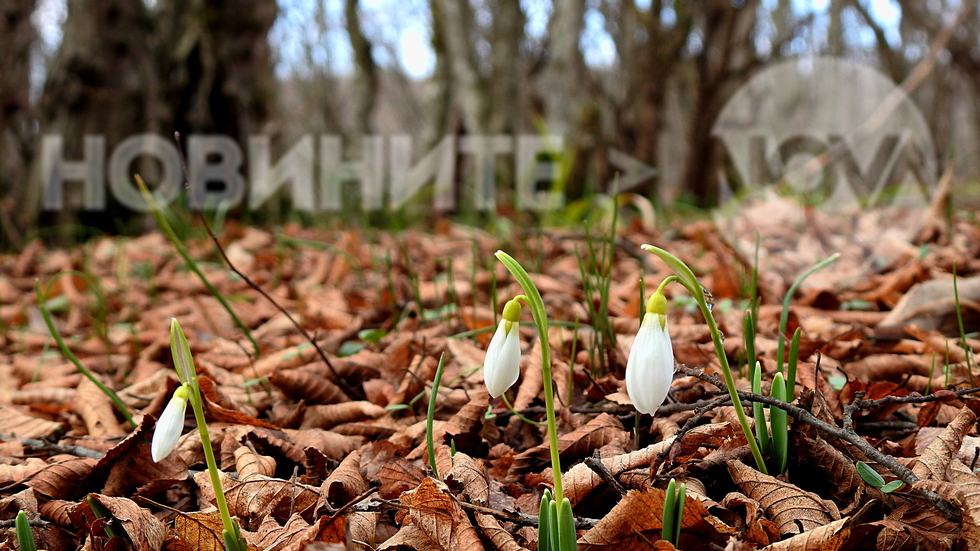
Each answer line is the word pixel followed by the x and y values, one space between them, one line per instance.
pixel 25 537
pixel 875 480
pixel 673 512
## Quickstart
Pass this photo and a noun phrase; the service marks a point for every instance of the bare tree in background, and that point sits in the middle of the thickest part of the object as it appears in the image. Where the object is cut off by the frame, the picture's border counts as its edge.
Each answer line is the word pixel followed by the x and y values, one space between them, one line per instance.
pixel 365 92
pixel 16 148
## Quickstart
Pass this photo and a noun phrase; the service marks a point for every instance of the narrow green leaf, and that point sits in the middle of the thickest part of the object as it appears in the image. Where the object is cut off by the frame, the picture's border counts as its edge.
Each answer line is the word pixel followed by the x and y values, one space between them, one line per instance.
pixel 567 540
pixel 181 351
pixel 779 420
pixel 430 416
pixel 870 475
pixel 25 538
pixel 892 486
pixel 794 355
pixel 544 523
pixel 670 511
pixel 679 520
pixel 759 412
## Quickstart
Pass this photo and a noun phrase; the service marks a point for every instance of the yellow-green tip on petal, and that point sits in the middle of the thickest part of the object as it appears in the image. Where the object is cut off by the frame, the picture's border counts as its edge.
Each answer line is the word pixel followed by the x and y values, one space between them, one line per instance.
pixel 512 311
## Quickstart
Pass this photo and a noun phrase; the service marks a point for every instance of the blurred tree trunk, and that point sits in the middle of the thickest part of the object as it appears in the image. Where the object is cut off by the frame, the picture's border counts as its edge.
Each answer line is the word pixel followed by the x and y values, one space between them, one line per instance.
pixel 101 81
pixel 458 45
pixel 218 60
pixel 16 149
pixel 366 77
pixel 562 80
pixel 726 59
pixel 508 69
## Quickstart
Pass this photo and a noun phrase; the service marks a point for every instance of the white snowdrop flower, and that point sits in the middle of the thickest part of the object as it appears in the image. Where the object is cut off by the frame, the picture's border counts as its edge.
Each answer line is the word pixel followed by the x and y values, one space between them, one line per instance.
pixel 170 425
pixel 502 365
pixel 650 367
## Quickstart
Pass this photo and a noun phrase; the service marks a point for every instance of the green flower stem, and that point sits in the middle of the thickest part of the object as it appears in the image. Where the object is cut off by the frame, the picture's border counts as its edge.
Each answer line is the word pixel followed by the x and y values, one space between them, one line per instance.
pixel 688 279
pixel 186 370
pixel 186 255
pixel 120 405
pixel 536 304
pixel 663 284
pixel 430 416
pixel 784 316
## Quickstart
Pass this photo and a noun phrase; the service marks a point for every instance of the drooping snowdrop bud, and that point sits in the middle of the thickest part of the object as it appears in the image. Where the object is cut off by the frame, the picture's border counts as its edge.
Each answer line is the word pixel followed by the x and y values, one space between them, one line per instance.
pixel 502 365
pixel 170 425
pixel 650 367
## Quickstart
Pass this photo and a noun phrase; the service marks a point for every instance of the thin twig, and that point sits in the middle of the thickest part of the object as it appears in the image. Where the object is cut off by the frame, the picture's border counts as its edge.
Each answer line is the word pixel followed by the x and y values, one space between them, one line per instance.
pixel 581 523
pixel 306 334
pixel 41 445
pixel 847 434
pixel 597 466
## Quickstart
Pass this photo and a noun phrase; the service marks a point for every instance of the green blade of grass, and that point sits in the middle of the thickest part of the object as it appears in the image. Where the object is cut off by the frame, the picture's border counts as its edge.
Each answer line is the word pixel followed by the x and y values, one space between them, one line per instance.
pixel 185 254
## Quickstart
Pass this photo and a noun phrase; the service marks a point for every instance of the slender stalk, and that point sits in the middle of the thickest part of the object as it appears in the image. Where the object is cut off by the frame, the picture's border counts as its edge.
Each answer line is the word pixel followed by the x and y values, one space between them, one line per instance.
pixel 688 279
pixel 430 416
pixel 959 320
pixel 784 316
pixel 120 405
pixel 540 315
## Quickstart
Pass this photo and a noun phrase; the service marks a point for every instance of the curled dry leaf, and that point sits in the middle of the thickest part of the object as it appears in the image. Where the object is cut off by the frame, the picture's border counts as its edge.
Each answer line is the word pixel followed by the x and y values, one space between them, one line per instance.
pixel 598 432
pixel 145 531
pixel 331 415
pixel 399 475
pixel 437 514
pixel 344 484
pixel 200 531
pixel 580 480
pixel 14 422
pixel 935 460
pixel 638 519
pixel 793 510
pixel 308 385
pixel 250 464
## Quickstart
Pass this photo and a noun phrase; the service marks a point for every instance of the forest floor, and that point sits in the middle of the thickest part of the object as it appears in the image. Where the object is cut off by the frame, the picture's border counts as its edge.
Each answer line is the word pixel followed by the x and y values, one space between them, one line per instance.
pixel 336 456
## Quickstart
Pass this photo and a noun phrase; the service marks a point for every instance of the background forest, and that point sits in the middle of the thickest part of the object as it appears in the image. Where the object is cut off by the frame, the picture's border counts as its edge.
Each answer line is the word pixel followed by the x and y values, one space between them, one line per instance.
pixel 646 78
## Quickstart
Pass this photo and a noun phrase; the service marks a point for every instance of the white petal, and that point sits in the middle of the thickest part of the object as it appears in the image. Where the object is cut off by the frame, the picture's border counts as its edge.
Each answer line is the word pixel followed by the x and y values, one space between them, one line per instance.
pixel 650 367
pixel 502 365
pixel 168 429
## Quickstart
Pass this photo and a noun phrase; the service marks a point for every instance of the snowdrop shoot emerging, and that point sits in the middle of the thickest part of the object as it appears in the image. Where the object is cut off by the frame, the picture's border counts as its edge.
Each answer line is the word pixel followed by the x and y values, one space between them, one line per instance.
pixel 502 365
pixel 650 367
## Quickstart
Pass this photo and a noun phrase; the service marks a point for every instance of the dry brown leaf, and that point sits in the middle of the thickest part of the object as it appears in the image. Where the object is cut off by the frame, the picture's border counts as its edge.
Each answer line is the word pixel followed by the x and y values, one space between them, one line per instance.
pixel 250 464
pixel 261 497
pixel 399 475
pixel 15 423
pixel 829 537
pixel 410 537
pixel 598 432
pixel 327 416
pixel 435 511
pixel 145 531
pixel 793 510
pixel 579 481
pixel 200 531
pixel 637 519
pixel 344 484
pixel 934 462
pixel 308 385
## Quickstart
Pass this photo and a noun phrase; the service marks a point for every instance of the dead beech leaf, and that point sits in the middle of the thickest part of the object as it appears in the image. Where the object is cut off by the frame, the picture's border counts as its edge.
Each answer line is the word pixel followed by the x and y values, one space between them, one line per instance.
pixel 469 476
pixel 399 475
pixel 792 509
pixel 436 512
pixel 580 480
pixel 250 464
pixel 226 415
pixel 145 531
pixel 308 385
pixel 15 423
pixel 493 531
pixel 200 531
pixel 637 519
pixel 261 497
pixel 409 537
pixel 344 484
pixel 835 474
pixel 598 432
pixel 829 537
pixel 969 483
pixel 934 462
pixel 333 445
pixel 331 415
pixel 758 530
pixel 63 480
pixel 296 533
